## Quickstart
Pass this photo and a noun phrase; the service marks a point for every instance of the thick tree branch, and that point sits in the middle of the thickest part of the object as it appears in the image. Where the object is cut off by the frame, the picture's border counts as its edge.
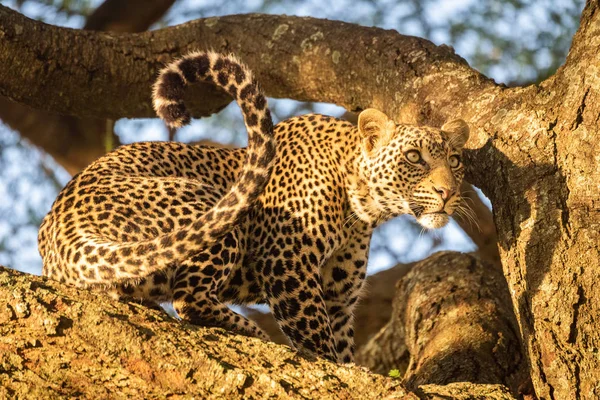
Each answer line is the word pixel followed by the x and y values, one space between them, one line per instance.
pixel 71 141
pixel 58 342
pixel 301 58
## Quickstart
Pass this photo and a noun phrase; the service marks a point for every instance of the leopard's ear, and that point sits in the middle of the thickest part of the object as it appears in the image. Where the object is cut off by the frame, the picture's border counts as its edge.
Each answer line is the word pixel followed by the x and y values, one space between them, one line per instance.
pixel 458 132
pixel 375 128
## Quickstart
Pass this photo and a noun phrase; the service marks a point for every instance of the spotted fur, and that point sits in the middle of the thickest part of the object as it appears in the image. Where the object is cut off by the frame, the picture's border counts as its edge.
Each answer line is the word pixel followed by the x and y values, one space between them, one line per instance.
pixel 289 226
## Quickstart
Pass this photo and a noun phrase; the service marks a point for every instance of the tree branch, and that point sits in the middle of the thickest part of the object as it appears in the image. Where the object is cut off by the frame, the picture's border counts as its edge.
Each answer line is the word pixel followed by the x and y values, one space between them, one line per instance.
pixel 58 341
pixel 127 16
pixel 300 58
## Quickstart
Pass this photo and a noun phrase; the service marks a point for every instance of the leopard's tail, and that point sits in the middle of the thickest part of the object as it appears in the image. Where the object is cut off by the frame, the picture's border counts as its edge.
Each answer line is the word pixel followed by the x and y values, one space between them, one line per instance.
pixel 139 259
pixel 229 74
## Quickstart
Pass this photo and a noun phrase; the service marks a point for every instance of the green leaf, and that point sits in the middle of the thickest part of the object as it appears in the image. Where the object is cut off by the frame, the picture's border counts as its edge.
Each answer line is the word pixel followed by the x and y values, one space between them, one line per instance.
pixel 394 373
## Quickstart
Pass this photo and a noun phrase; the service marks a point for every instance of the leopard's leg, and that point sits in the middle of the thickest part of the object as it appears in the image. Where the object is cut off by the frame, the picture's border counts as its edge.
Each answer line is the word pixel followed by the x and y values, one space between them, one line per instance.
pixel 196 287
pixel 292 288
pixel 343 278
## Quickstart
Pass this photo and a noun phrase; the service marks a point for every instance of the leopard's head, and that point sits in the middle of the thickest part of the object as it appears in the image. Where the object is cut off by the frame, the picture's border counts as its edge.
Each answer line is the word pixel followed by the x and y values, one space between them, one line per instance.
pixel 413 169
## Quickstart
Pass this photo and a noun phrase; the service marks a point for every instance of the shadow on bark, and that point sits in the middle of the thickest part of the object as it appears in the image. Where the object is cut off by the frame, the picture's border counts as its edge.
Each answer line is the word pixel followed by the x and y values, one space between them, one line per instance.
pixel 537 241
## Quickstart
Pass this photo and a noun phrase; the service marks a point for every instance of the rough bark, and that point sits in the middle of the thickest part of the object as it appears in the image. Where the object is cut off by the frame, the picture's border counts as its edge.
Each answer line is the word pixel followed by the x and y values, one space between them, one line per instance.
pixel 57 341
pixel 75 142
pixel 452 321
pixel 540 169
pixel 533 150
pixel 300 58
pixel 463 391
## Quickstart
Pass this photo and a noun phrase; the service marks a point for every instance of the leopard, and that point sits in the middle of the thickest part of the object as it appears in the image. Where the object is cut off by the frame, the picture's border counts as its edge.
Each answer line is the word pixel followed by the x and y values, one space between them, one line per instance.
pixel 285 221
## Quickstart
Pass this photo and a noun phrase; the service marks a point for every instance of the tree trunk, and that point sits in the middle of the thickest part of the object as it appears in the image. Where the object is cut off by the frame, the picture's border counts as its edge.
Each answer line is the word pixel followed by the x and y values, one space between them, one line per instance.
pixel 539 166
pixel 534 150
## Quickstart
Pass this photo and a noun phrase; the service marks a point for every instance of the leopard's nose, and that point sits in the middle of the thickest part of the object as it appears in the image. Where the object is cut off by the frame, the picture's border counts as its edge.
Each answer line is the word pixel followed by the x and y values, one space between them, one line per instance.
pixel 444 192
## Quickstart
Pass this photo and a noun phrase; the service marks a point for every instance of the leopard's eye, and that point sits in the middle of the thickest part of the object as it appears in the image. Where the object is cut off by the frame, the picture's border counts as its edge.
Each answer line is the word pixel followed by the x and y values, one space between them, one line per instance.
pixel 413 156
pixel 454 161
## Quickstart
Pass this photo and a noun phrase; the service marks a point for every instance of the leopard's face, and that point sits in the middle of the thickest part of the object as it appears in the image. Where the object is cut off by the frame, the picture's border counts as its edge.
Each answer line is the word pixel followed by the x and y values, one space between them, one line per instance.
pixel 416 170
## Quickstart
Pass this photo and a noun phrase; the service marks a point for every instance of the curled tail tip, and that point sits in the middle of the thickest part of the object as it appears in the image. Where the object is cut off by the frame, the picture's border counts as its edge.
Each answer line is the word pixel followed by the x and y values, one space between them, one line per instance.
pixel 175 115
pixel 167 97
pixel 223 70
